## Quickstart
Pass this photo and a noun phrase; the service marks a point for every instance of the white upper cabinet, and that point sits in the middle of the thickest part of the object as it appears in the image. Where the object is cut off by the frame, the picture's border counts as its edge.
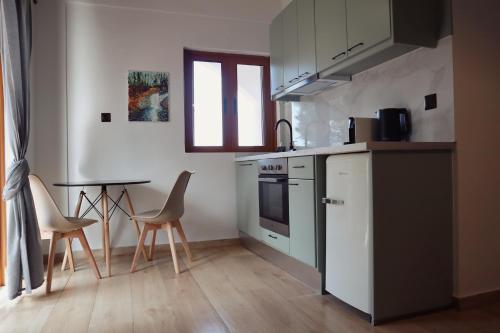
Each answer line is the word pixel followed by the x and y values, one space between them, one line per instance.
pixel 368 23
pixel 331 33
pixel 276 47
pixel 290 45
pixel 306 38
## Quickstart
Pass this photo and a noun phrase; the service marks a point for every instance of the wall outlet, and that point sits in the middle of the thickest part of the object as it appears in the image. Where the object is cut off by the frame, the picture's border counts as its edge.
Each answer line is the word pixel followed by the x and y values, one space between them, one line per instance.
pixel 430 102
pixel 105 117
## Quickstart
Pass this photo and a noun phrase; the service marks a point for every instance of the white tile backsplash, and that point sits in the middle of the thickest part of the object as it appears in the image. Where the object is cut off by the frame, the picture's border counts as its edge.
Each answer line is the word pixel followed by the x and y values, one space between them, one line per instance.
pixel 321 120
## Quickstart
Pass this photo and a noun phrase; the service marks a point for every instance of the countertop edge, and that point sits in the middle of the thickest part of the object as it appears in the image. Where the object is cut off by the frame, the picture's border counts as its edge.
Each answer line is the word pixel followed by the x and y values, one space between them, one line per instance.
pixel 355 148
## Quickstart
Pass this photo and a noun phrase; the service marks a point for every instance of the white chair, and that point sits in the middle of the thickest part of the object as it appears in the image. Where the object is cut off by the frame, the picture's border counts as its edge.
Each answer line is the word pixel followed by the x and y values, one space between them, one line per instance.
pixel 54 226
pixel 166 218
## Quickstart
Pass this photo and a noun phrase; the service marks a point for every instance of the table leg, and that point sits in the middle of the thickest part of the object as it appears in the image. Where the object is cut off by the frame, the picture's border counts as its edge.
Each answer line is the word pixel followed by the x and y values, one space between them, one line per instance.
pixel 137 228
pixel 105 223
pixel 69 251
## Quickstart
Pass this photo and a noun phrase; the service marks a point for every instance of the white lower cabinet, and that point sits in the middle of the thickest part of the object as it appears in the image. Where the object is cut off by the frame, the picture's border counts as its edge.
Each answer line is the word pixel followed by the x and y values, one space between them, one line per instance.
pixel 275 240
pixel 302 220
pixel 247 198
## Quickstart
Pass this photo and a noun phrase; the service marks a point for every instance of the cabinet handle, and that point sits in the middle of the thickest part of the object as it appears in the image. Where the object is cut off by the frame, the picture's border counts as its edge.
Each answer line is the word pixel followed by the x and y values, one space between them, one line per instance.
pixel 339 55
pixel 293 184
pixel 298 166
pixel 293 80
pixel 304 74
pixel 355 46
pixel 334 202
pixel 245 164
pixel 273 237
pixel 279 88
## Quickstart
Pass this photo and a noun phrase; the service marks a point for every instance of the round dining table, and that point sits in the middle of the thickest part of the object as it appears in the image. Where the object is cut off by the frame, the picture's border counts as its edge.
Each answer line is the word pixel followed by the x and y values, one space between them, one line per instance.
pixel 106 211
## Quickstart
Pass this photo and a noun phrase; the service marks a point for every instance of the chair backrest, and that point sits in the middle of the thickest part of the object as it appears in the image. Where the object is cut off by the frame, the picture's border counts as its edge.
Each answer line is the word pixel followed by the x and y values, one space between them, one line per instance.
pixel 48 214
pixel 174 206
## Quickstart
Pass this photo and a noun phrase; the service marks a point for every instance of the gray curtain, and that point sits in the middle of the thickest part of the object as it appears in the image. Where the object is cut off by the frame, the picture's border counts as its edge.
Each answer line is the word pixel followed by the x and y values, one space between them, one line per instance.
pixel 24 251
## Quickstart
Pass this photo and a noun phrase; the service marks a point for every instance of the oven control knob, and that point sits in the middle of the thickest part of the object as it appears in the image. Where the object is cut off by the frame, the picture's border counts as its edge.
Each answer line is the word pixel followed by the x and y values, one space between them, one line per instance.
pixel 271 167
pixel 279 167
pixel 264 168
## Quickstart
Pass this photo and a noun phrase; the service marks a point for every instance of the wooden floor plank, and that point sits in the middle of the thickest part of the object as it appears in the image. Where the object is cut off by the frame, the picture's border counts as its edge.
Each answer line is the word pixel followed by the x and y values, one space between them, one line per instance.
pixel 112 311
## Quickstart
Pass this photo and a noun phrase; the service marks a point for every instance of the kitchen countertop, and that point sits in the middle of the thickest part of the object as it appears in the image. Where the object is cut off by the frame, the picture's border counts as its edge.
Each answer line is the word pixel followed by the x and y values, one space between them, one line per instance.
pixel 354 148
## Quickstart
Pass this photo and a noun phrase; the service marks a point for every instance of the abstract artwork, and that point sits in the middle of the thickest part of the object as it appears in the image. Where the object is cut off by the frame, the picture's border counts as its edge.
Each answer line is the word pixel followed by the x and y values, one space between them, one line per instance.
pixel 148 98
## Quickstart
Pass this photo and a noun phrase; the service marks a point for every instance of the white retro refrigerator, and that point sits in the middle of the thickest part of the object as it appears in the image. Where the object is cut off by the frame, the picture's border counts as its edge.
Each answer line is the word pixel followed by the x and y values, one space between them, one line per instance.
pixel 349 230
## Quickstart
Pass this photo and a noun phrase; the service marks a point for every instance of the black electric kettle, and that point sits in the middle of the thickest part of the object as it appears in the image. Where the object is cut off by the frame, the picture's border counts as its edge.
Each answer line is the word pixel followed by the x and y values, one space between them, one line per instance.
pixel 394 124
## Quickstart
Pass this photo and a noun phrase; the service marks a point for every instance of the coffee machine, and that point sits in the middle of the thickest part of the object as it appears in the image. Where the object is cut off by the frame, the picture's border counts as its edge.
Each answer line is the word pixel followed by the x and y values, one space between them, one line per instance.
pixel 394 124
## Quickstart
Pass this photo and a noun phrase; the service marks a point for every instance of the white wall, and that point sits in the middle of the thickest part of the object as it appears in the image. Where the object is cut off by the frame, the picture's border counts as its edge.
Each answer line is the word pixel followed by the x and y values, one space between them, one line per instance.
pixel 321 120
pixel 103 43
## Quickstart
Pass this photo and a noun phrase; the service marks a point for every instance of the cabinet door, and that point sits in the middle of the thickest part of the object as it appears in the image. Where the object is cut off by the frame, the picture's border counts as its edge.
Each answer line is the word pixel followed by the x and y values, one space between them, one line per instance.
pixel 349 230
pixel 302 220
pixel 368 23
pixel 276 47
pixel 331 34
pixel 306 38
pixel 290 45
pixel 247 197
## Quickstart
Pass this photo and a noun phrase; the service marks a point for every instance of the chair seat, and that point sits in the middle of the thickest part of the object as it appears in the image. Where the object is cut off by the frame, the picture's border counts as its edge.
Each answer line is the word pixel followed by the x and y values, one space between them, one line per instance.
pixel 75 223
pixel 148 216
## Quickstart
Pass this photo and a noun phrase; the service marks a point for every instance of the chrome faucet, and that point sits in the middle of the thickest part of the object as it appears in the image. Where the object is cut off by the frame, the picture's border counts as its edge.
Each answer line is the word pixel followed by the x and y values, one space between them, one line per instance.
pixel 290 128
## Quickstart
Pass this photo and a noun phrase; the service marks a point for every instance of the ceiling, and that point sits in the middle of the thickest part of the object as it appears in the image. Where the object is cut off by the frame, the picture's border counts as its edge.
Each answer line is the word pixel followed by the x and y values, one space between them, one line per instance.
pixel 247 10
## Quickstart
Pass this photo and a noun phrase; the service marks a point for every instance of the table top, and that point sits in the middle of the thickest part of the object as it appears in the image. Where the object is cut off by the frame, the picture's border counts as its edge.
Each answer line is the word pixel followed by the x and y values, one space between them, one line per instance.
pixel 102 182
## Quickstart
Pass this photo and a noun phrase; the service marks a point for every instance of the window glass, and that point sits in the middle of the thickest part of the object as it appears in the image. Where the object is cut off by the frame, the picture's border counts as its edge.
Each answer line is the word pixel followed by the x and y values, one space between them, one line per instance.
pixel 250 105
pixel 207 103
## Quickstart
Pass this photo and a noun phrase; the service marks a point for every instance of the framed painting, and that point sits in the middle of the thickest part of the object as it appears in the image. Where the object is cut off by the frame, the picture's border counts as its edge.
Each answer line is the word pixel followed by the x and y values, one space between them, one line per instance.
pixel 148 96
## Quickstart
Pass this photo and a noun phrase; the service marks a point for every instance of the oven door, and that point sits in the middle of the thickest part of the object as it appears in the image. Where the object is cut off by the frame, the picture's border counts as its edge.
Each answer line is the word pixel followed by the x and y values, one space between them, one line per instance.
pixel 273 203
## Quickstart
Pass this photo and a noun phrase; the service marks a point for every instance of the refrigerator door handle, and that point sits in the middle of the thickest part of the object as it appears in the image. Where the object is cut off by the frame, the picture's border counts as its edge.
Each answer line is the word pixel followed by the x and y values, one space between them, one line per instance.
pixel 334 202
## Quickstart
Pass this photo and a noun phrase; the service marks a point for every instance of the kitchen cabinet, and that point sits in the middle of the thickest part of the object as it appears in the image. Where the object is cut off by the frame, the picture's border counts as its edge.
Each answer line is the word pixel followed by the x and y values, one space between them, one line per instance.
pixel 331 32
pixel 368 23
pixel 290 45
pixel 247 198
pixel 293 51
pixel 366 33
pixel 306 38
pixel 276 47
pixel 302 220
pixel 389 217
pixel 275 240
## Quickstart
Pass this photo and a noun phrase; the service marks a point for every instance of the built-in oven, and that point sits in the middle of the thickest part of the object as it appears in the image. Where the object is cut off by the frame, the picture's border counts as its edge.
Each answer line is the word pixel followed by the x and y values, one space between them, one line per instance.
pixel 273 195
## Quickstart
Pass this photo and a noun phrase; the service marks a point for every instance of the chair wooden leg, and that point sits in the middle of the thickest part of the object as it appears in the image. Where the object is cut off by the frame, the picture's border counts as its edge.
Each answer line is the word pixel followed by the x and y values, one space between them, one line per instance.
pixel 140 246
pixel 183 238
pixel 152 247
pixel 50 265
pixel 88 252
pixel 171 241
pixel 69 252
pixel 68 255
pixel 132 213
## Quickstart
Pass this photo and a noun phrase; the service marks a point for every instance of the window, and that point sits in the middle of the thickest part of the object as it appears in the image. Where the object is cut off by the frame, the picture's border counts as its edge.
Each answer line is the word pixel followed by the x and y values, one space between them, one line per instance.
pixel 228 106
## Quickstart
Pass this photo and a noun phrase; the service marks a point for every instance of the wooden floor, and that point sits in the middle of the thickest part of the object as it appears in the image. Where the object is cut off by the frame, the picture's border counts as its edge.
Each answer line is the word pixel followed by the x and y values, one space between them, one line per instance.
pixel 227 289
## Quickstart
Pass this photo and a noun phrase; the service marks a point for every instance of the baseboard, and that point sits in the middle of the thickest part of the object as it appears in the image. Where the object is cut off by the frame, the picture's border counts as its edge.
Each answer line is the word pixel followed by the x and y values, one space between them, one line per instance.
pixel 477 300
pixel 129 250
pixel 305 273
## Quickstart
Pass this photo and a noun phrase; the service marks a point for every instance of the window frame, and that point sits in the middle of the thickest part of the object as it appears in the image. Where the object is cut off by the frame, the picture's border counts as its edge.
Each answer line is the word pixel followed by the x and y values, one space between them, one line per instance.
pixel 229 62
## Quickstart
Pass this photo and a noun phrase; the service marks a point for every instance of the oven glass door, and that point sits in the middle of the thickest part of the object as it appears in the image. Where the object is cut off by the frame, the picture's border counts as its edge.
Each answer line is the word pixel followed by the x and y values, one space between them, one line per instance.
pixel 273 203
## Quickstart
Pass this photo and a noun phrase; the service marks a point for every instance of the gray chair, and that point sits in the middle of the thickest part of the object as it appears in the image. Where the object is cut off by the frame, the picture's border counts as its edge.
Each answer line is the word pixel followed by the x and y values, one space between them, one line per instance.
pixel 166 218
pixel 54 226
